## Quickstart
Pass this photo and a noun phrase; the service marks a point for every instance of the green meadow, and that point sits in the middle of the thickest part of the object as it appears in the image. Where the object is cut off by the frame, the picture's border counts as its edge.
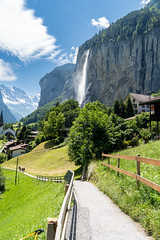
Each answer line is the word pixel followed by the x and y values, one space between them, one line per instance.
pixel 26 206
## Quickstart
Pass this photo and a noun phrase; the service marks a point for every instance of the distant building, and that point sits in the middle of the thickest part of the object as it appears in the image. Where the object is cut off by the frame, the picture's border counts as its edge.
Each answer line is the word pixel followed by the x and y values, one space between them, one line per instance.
pixel 6 132
pixel 14 148
pixel 136 99
pixel 32 135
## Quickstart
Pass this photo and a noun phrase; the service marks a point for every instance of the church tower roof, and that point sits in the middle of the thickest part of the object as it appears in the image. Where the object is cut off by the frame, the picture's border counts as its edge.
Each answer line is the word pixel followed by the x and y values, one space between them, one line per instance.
pixel 1 119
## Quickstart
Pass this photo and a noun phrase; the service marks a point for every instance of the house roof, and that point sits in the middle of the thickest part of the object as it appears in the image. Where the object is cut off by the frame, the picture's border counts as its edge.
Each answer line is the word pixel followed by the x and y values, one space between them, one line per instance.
pixel 17 148
pixel 151 101
pixel 11 143
pixel 141 97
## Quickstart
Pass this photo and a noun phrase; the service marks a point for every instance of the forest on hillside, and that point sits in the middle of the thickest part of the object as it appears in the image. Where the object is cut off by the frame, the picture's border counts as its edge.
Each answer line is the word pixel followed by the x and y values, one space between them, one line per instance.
pixel 132 25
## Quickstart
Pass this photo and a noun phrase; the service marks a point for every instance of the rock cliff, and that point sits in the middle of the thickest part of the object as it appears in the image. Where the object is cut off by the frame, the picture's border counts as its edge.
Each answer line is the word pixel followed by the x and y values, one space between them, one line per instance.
pixel 116 68
pixel 113 70
pixel 56 84
pixel 120 59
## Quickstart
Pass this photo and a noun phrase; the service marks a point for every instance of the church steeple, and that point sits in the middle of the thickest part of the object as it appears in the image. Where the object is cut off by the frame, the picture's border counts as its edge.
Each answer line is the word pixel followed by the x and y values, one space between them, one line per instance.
pixel 1 119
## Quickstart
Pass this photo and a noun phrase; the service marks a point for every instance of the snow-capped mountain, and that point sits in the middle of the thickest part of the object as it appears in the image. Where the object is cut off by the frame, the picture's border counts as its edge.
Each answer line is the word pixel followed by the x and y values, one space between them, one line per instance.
pixel 18 101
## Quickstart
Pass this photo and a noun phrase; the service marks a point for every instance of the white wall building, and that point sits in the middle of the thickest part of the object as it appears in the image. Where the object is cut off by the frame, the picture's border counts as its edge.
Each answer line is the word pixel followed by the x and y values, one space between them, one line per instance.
pixel 136 99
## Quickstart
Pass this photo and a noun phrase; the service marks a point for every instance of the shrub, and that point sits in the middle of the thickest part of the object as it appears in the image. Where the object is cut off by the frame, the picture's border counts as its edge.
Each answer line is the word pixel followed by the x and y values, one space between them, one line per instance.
pixel 3 157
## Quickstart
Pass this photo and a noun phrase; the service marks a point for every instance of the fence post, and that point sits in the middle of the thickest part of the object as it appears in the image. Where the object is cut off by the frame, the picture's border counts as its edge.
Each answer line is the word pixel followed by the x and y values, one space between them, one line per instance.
pixel 108 164
pixel 102 156
pixel 66 188
pixel 51 229
pixel 118 165
pixel 138 170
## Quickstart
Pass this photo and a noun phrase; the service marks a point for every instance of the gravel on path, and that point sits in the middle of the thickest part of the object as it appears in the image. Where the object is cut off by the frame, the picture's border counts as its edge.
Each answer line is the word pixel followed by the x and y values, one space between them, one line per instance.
pixel 96 217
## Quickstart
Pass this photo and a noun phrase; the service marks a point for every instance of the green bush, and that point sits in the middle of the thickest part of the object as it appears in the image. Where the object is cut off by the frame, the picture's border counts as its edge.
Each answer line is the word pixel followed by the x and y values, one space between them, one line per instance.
pixel 3 157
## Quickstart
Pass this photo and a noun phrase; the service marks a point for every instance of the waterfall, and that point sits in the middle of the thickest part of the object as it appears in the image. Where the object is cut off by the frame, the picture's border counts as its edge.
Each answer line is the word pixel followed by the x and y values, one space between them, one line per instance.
pixel 82 80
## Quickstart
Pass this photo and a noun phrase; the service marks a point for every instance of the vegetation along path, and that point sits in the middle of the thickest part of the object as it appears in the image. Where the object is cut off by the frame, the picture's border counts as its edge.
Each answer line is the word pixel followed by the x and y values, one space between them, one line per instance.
pixel 97 217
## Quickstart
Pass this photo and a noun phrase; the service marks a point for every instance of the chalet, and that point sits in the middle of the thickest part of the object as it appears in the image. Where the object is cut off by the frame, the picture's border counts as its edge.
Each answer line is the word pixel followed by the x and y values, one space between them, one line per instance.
pixel 137 99
pixel 14 148
pixel 154 106
pixel 19 150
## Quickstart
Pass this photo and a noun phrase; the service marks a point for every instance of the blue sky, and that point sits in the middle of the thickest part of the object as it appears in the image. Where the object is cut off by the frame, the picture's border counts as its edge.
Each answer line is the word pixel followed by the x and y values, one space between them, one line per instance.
pixel 38 35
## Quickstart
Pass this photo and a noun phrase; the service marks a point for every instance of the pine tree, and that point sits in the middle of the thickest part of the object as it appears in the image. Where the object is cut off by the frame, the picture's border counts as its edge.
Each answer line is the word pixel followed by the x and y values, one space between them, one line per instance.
pixel 129 108
pixel 116 107
pixel 122 109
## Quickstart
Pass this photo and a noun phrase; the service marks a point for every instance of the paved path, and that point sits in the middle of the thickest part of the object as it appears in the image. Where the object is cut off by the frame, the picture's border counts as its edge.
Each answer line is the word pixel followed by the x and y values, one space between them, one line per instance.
pixel 96 217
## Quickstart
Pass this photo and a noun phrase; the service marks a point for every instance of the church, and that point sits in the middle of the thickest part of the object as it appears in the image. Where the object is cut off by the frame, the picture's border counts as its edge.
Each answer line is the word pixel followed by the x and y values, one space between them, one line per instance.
pixel 6 132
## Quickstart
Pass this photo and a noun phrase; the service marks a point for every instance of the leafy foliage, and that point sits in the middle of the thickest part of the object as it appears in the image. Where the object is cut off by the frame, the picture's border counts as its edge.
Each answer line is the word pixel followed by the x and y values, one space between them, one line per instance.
pixel 94 132
pixel 38 114
pixel 132 25
pixel 123 110
pixel 23 132
pixel 3 157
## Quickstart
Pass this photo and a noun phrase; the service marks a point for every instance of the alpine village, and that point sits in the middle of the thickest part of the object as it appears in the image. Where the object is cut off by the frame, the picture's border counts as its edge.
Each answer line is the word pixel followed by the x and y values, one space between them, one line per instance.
pixel 96 128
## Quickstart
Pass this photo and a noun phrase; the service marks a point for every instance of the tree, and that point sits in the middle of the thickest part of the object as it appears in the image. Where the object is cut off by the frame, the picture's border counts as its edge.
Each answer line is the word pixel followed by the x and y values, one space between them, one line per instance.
pixel 129 108
pixel 116 107
pixel 53 124
pixel 122 109
pixel 94 132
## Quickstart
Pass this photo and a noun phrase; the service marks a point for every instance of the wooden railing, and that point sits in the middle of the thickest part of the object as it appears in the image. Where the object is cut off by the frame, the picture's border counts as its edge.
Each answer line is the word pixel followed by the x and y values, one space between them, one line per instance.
pixel 57 228
pixel 137 176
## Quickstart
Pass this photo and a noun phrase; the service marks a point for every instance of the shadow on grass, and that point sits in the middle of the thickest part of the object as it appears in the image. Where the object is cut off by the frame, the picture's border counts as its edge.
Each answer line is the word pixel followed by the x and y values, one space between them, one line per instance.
pixel 78 173
pixel 49 144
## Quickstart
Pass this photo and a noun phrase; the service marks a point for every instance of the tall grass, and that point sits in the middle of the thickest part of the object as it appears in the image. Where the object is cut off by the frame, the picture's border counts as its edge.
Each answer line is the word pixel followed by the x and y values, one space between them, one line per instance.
pixel 143 204
pixel 26 206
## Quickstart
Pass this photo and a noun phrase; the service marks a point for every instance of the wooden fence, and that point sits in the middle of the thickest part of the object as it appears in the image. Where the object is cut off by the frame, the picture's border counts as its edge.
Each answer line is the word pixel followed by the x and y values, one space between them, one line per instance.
pixel 137 176
pixel 57 228
pixel 52 179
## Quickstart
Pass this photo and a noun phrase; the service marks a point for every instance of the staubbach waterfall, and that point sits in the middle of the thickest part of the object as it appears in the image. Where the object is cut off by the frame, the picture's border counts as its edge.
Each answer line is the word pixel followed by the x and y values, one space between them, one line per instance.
pixel 82 80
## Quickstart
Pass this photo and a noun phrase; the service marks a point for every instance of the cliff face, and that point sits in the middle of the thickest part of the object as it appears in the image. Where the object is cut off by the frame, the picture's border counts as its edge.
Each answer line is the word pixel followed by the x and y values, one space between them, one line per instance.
pixel 56 83
pixel 112 71
pixel 115 69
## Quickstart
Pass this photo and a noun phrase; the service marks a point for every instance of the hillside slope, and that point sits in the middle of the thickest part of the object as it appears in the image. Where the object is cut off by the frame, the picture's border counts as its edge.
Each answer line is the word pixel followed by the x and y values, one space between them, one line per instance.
pixel 44 160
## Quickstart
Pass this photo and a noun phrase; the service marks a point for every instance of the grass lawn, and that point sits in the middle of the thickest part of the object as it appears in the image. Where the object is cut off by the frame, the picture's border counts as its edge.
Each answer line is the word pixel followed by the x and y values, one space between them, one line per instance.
pixel 143 204
pixel 44 160
pixel 1 141
pixel 26 207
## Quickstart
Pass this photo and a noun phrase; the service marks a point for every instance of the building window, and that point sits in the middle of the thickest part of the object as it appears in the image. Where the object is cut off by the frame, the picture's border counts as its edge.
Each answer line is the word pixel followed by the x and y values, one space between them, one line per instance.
pixel 133 99
pixel 135 105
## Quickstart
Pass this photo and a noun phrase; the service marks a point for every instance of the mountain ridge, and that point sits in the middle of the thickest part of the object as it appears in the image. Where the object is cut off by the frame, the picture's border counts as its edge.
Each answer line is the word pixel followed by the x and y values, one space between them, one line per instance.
pixel 19 103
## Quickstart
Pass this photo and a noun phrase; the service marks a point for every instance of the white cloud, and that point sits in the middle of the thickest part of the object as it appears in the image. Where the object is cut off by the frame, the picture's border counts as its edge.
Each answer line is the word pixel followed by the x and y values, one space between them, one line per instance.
pixel 100 23
pixel 22 33
pixel 144 2
pixel 6 72
pixel 70 57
